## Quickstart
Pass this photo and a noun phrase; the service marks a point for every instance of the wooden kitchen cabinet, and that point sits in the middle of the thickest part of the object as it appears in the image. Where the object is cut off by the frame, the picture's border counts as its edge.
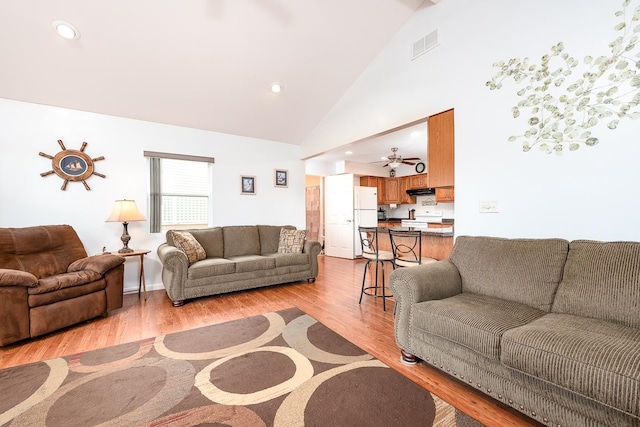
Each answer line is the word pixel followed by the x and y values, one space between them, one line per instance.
pixel 381 183
pixel 392 190
pixel 444 195
pixel 419 181
pixel 406 185
pixel 440 153
pixel 369 181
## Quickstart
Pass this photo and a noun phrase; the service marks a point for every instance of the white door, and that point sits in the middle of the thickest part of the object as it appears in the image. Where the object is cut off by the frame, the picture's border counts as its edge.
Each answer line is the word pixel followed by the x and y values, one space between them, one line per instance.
pixel 338 205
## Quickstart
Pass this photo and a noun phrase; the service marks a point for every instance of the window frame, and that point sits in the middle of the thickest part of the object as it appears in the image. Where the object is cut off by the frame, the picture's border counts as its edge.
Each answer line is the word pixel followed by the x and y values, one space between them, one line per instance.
pixel 155 186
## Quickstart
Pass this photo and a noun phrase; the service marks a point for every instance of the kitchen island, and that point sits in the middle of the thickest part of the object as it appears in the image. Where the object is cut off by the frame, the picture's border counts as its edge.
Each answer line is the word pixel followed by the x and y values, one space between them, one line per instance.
pixel 435 244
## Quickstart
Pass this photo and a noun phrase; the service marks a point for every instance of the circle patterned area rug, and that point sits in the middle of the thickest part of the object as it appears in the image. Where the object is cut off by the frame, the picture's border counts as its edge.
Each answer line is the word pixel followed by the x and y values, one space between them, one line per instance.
pixel 277 369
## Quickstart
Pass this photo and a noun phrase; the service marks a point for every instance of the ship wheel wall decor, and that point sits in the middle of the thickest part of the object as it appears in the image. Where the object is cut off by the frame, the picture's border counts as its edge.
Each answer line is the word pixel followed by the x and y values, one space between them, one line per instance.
pixel 72 165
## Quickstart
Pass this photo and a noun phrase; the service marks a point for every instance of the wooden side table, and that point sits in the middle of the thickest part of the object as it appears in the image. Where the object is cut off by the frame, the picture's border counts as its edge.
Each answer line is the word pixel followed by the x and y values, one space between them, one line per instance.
pixel 142 283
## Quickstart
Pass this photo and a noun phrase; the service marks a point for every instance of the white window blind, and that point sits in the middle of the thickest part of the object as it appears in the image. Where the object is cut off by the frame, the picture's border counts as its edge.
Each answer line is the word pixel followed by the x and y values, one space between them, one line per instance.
pixel 181 191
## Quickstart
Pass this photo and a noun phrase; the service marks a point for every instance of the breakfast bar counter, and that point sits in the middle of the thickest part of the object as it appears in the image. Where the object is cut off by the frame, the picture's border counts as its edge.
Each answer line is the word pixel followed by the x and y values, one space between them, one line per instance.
pixel 435 244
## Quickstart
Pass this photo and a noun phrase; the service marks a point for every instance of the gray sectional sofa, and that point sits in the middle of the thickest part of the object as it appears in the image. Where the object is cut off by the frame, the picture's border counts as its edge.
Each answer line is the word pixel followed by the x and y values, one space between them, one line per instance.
pixel 237 258
pixel 546 326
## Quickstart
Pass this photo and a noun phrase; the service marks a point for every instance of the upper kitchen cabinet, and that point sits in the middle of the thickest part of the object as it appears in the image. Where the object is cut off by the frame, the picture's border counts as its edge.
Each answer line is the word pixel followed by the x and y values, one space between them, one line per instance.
pixel 406 185
pixel 418 181
pixel 369 181
pixel 393 187
pixel 444 195
pixel 440 153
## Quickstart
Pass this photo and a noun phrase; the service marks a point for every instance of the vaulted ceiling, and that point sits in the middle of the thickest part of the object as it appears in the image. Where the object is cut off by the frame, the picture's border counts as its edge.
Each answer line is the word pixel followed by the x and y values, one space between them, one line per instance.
pixel 204 64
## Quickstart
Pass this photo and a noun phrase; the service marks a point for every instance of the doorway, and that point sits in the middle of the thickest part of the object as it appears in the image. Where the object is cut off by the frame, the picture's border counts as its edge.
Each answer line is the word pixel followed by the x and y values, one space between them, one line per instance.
pixel 314 208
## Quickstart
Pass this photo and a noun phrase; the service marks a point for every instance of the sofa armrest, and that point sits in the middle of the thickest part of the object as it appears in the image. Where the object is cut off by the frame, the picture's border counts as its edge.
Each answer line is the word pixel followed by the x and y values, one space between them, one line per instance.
pixel 175 266
pixel 9 277
pixel 312 247
pixel 172 257
pixel 412 285
pixel 97 263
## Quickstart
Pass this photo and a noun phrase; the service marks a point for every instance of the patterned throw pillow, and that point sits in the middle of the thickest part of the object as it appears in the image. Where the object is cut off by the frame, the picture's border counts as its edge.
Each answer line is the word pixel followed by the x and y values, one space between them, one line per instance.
pixel 188 244
pixel 291 241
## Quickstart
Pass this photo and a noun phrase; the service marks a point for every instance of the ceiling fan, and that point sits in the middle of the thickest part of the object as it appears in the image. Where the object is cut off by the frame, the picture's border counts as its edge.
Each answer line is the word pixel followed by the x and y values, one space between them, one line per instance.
pixel 395 160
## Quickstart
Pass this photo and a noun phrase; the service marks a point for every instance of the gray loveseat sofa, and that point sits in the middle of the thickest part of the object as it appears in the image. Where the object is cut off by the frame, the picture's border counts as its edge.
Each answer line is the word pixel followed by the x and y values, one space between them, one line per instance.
pixel 546 326
pixel 237 257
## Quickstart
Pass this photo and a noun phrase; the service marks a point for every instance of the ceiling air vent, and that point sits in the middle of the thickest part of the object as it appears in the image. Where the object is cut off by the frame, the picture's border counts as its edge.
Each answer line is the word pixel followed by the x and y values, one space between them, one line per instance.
pixel 425 44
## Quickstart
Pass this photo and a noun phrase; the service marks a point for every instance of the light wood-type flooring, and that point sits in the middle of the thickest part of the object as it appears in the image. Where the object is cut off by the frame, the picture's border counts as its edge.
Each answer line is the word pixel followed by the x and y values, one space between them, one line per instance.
pixel 332 300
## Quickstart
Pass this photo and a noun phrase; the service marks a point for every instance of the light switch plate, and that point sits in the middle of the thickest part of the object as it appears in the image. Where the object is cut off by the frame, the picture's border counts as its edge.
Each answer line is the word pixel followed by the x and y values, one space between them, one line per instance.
pixel 489 206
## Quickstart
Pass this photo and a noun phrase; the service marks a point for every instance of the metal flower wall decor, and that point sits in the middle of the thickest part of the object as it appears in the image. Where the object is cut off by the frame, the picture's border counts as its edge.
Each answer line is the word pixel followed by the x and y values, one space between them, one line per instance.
pixel 562 103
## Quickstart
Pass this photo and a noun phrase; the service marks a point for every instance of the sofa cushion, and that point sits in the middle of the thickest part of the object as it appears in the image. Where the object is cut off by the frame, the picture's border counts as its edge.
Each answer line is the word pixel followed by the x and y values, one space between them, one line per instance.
pixel 285 260
pixel 188 244
pixel 37 300
pixel 65 280
pixel 601 280
pixel 241 240
pixel 597 359
pixel 211 239
pixel 527 271
pixel 211 267
pixel 291 241
pixel 270 237
pixel 41 250
pixel 253 263
pixel 474 321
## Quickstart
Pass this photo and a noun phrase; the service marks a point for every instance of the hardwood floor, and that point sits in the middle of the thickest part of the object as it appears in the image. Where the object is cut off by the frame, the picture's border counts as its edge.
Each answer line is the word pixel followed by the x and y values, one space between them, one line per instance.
pixel 332 300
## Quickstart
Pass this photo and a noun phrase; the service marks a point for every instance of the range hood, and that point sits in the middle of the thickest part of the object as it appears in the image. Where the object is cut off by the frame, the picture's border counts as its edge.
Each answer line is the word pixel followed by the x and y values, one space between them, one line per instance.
pixel 421 192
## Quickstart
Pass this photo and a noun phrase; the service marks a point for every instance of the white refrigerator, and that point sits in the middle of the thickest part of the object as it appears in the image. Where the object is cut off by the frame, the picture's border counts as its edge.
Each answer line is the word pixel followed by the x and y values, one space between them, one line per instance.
pixel 365 207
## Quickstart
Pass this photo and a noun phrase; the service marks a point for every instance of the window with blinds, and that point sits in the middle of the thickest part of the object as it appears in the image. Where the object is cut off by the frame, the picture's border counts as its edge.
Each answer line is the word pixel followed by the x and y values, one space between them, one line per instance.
pixel 185 193
pixel 180 193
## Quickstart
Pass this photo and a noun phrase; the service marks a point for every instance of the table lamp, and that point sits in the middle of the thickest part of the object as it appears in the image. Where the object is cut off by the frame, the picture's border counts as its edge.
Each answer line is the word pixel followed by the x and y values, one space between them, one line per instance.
pixel 125 211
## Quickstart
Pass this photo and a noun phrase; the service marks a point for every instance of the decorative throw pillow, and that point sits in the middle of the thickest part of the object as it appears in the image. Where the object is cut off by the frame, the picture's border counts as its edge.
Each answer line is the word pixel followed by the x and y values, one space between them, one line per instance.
pixel 188 244
pixel 291 241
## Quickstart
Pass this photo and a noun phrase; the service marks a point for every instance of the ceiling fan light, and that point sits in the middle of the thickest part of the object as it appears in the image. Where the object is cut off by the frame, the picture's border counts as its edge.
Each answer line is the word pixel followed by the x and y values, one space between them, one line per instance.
pixel 394 164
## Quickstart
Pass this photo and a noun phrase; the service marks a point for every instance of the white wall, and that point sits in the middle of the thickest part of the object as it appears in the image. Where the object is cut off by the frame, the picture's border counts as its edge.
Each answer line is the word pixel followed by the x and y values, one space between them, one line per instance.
pixel 28 199
pixel 590 193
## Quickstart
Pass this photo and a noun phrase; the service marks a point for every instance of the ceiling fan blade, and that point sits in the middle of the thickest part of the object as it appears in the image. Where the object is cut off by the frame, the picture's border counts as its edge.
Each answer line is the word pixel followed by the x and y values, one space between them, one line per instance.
pixel 409 163
pixel 385 165
pixel 412 158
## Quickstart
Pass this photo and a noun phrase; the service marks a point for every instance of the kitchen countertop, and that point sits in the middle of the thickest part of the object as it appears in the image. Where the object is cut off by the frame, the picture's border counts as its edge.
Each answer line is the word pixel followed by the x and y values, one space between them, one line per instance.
pixel 425 231
pixel 444 220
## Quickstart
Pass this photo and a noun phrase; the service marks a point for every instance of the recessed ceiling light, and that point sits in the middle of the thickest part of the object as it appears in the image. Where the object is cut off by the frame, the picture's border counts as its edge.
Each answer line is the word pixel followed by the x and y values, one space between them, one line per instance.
pixel 276 87
pixel 348 152
pixel 65 30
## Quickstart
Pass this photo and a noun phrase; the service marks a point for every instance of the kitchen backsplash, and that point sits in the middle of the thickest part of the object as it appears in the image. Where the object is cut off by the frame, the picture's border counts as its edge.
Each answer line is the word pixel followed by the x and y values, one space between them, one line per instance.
pixel 402 211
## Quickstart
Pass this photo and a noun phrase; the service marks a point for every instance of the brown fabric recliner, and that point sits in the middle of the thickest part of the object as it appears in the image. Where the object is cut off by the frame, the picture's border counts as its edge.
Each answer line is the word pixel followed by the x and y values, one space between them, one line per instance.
pixel 47 281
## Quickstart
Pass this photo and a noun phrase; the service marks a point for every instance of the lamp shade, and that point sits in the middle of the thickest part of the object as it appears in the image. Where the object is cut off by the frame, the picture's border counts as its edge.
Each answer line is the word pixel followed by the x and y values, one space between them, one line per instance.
pixel 394 164
pixel 125 211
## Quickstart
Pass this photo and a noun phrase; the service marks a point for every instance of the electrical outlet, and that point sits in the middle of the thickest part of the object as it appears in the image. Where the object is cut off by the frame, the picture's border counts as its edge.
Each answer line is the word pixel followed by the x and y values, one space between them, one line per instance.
pixel 489 206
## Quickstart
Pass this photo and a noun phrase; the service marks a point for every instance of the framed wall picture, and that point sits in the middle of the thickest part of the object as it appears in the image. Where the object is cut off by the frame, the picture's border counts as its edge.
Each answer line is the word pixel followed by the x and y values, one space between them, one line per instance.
pixel 247 185
pixel 281 178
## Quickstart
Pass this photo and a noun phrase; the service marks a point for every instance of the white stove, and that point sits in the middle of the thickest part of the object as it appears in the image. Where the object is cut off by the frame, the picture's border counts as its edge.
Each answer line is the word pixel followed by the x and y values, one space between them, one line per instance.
pixel 422 220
